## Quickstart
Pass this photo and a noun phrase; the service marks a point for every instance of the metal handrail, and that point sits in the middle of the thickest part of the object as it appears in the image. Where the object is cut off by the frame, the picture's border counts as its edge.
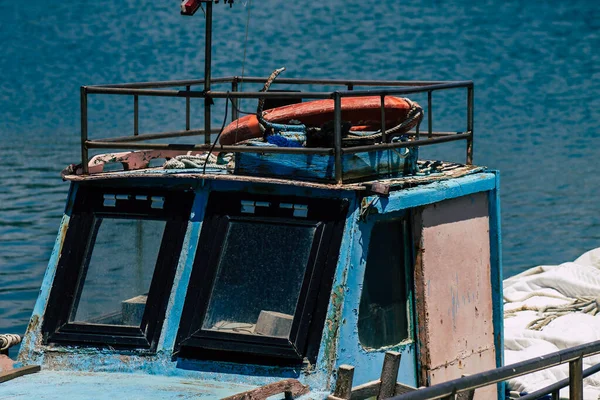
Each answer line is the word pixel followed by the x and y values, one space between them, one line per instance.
pixel 574 356
pixel 394 88
pixel 255 79
pixel 555 387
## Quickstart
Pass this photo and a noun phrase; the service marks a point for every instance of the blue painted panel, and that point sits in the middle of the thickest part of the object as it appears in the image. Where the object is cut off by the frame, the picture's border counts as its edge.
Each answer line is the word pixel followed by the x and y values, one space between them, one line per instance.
pixel 28 353
pixel 393 163
pixel 432 193
pixel 368 362
pixel 180 285
pixel 497 277
pixel 328 361
pixel 183 273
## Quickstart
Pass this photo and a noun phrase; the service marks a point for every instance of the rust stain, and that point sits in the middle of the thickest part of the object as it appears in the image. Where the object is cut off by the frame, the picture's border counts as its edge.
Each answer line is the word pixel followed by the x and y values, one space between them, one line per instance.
pixel 333 326
pixel 63 232
pixel 34 323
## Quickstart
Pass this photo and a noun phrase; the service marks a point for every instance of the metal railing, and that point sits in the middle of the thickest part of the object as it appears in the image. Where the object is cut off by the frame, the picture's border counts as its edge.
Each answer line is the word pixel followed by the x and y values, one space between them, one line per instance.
pixel 161 89
pixel 574 356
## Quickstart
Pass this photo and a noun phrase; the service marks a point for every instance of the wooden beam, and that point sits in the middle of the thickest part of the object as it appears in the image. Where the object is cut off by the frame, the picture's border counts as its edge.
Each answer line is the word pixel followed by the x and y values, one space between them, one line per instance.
pixel 401 389
pixel 291 388
pixel 17 372
pixel 343 384
pixel 389 375
pixel 366 390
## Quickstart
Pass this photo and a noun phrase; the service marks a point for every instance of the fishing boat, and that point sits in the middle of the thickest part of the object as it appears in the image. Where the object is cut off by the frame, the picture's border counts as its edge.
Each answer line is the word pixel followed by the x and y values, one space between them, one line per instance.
pixel 309 256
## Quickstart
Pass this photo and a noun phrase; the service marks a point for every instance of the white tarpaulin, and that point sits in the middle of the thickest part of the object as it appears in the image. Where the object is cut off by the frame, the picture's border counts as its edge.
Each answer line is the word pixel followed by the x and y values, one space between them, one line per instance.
pixel 550 308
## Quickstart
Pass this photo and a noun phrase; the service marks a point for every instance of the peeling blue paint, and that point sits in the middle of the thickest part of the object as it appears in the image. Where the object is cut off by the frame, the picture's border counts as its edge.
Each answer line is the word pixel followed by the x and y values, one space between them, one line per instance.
pixel 339 343
pixel 31 340
pixel 436 192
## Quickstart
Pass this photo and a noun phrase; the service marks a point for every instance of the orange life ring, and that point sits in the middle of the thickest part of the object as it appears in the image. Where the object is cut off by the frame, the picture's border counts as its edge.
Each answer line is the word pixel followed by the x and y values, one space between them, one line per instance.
pixel 363 113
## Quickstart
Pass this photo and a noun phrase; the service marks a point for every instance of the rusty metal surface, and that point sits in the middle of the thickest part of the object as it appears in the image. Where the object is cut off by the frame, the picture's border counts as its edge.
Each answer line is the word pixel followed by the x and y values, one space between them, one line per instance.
pixel 151 89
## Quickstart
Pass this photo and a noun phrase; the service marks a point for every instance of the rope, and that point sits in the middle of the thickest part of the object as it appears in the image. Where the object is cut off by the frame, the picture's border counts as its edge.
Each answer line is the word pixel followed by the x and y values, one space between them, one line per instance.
pixel 220 132
pixel 584 304
pixel 261 102
pixel 9 340
pixel 222 161
pixel 415 112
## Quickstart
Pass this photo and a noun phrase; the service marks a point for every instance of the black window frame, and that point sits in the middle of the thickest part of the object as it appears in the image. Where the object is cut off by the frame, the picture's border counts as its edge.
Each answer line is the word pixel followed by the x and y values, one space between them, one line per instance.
pixel 89 209
pixel 328 216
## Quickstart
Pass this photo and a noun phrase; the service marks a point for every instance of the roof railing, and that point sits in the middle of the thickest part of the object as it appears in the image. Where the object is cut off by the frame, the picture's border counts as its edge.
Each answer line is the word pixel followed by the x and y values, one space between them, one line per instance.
pixel 392 88
pixel 574 356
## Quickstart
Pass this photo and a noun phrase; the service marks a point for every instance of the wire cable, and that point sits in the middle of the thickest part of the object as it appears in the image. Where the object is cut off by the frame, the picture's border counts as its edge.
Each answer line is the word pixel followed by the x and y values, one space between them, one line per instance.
pixel 218 135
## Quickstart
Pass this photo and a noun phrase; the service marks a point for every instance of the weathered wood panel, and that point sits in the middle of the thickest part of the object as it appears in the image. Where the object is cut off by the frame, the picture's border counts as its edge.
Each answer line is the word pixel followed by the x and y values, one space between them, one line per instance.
pixel 453 291
pixel 17 372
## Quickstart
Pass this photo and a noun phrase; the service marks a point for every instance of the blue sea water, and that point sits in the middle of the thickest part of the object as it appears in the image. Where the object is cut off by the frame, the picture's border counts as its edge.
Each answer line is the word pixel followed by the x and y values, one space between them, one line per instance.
pixel 536 68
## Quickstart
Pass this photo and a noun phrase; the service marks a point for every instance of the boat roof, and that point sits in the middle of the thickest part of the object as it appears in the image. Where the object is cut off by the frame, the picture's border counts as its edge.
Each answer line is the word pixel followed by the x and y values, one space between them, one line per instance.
pixel 441 171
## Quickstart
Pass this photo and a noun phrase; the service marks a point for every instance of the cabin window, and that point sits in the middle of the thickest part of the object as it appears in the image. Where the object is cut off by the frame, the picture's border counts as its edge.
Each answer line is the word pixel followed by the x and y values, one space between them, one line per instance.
pixel 116 267
pixel 262 278
pixel 264 262
pixel 115 284
pixel 383 315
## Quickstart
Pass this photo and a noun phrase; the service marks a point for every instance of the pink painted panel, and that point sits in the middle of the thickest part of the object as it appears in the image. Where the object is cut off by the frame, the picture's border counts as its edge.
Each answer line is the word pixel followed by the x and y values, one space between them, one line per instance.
pixel 469 365
pixel 453 289
pixel 6 364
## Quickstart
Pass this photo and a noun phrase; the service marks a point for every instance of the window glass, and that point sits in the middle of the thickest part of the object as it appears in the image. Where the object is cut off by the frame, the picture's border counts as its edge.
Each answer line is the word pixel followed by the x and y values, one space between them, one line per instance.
pixel 115 285
pixel 382 315
pixel 259 277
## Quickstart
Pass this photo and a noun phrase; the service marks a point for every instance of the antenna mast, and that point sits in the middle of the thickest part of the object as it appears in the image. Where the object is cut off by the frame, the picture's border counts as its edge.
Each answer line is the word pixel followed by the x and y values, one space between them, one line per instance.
pixel 189 7
pixel 207 71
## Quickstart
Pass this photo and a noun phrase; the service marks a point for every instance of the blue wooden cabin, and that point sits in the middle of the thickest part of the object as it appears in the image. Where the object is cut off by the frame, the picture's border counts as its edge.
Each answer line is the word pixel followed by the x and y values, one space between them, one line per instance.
pixel 268 270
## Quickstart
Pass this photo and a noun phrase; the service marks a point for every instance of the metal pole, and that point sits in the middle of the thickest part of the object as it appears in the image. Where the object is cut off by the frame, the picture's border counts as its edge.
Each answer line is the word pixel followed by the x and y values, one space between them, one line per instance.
pixel 136 115
pixel 234 112
pixel 576 379
pixel 207 70
pixel 337 134
pixel 429 115
pixel 383 136
pixel 470 104
pixel 187 109
pixel 84 130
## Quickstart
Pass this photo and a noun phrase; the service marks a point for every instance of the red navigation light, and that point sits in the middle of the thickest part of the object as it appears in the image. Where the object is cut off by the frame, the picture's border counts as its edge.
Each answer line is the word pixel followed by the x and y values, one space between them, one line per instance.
pixel 189 7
